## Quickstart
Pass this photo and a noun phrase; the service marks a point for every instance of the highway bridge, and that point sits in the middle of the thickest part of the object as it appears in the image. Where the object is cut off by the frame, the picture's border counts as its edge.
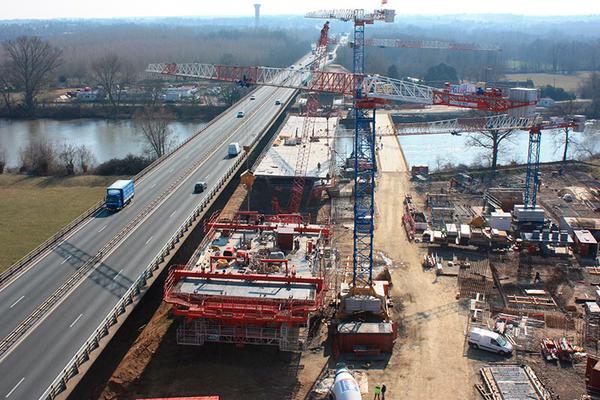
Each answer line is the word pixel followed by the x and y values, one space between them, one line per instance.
pixel 57 302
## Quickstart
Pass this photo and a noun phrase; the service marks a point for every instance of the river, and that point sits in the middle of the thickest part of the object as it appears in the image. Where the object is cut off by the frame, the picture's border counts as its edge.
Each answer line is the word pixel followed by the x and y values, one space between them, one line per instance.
pixel 106 139
pixel 439 150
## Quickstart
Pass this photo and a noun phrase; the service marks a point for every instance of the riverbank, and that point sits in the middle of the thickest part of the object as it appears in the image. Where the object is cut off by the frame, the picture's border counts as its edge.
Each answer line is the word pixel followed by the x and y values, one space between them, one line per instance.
pixel 34 208
pixel 65 111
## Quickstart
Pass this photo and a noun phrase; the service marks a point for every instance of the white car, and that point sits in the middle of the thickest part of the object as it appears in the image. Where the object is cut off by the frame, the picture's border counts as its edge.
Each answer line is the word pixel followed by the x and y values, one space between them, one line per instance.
pixel 240 114
pixel 252 98
pixel 487 340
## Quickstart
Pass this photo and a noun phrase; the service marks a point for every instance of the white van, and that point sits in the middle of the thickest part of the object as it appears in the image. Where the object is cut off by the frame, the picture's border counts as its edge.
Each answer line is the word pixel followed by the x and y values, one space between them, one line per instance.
pixel 233 149
pixel 487 340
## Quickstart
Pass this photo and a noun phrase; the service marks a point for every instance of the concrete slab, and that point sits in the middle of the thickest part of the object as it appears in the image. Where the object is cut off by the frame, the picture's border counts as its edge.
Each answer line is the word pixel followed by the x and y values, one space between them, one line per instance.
pixel 281 159
pixel 389 153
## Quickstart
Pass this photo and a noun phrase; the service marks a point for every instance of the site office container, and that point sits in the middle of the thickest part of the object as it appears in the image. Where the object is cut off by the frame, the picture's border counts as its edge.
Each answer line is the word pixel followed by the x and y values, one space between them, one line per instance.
pixel 365 341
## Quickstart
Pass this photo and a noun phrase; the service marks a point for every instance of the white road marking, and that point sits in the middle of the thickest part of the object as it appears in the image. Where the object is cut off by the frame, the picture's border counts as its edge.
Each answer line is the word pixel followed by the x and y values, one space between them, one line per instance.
pixel 103 228
pixel 173 213
pixel 76 319
pixel 152 187
pixel 14 388
pixel 148 241
pixel 15 303
pixel 65 260
pixel 117 275
pixel 172 169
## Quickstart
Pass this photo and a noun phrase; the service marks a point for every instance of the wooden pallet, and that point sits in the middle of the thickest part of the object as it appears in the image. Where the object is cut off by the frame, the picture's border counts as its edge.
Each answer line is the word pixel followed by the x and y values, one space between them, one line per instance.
pixel 532 301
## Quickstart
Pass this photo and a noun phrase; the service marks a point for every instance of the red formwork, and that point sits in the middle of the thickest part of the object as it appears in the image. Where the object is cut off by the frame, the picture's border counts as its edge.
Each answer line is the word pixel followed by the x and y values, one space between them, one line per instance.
pixel 236 310
pixel 252 220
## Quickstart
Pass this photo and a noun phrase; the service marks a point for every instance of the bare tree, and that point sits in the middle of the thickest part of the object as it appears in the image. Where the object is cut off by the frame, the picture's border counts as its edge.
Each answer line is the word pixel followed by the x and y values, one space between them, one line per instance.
pixel 153 125
pixel 31 60
pixel 38 158
pixel 230 94
pixel 2 160
pixel 112 73
pixel 67 155
pixel 154 91
pixel 490 140
pixel 85 159
pixel 6 87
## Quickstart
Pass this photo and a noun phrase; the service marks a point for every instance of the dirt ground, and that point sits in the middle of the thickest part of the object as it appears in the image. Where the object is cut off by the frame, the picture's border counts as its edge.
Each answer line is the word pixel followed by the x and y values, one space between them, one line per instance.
pixel 428 356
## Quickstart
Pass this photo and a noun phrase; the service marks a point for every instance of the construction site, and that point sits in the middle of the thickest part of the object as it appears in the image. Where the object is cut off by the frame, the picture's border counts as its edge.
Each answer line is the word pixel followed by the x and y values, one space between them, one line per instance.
pixel 335 269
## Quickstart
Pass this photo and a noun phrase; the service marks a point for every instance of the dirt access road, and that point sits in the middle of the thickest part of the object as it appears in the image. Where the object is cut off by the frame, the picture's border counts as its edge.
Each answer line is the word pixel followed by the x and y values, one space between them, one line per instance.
pixel 428 361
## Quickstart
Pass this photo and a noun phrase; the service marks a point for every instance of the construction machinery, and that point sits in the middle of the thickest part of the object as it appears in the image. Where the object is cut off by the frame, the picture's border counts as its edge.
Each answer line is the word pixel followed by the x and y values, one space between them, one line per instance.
pixel 312 104
pixel 363 296
pixel 530 123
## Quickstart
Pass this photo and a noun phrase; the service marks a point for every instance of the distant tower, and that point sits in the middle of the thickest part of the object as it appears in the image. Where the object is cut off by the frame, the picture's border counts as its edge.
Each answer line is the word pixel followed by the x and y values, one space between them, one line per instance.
pixel 256 14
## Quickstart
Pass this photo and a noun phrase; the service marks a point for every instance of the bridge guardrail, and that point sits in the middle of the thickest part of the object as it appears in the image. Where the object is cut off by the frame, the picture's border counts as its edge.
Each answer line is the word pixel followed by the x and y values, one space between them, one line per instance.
pixel 83 354
pixel 52 240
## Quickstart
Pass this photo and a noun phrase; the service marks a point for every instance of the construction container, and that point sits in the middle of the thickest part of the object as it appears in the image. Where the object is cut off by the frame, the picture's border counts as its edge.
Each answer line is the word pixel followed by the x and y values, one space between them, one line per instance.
pixel 500 220
pixel 364 338
pixel 523 215
pixel 524 95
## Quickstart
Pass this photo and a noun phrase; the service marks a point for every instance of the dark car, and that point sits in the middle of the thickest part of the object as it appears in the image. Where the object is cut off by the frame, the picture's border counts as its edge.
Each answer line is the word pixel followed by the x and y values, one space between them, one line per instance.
pixel 199 187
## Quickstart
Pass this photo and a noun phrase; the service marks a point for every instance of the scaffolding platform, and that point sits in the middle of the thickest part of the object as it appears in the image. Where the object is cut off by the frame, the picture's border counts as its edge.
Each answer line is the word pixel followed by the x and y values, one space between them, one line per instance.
pixel 254 280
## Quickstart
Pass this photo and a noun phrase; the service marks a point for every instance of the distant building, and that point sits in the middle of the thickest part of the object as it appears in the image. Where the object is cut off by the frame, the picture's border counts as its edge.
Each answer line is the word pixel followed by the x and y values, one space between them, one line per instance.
pixel 256 14
pixel 90 95
pixel 546 102
pixel 175 94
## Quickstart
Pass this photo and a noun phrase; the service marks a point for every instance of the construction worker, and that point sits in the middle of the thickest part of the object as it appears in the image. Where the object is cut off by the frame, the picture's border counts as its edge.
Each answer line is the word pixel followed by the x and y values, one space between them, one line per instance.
pixel 377 393
pixel 383 389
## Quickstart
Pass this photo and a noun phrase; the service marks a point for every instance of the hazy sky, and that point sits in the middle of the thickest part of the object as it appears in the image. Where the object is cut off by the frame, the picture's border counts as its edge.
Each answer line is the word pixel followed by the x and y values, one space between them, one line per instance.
pixel 131 8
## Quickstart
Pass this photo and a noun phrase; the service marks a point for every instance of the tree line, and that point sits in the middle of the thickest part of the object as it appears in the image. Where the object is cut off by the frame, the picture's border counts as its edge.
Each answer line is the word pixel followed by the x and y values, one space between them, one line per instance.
pixel 115 55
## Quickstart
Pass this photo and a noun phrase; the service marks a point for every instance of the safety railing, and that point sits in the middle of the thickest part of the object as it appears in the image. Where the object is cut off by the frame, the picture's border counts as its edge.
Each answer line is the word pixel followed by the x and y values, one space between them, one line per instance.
pixel 93 342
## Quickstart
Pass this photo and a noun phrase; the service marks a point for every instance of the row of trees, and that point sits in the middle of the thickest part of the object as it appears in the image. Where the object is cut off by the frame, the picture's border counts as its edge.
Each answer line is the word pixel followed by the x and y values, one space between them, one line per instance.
pixel 42 157
pixel 29 64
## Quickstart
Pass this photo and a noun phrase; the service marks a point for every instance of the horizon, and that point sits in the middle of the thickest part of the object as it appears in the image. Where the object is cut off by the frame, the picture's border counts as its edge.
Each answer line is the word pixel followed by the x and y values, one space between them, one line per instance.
pixel 132 9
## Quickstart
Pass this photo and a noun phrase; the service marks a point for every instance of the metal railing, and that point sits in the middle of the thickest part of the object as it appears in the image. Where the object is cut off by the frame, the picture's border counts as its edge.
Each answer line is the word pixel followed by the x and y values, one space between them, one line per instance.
pixel 52 241
pixel 93 342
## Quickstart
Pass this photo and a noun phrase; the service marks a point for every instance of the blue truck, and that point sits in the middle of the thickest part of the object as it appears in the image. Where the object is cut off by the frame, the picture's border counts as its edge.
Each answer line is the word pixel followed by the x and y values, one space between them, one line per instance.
pixel 119 194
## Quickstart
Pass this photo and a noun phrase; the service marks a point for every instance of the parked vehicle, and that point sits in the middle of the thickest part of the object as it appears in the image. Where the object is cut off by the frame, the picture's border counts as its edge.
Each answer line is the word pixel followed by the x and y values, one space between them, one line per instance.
pixel 200 187
pixel 345 386
pixel 234 149
pixel 241 114
pixel 487 340
pixel 119 194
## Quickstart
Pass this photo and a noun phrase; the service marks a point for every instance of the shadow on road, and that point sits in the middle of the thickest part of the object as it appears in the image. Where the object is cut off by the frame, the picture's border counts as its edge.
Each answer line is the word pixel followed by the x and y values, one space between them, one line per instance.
pixel 103 275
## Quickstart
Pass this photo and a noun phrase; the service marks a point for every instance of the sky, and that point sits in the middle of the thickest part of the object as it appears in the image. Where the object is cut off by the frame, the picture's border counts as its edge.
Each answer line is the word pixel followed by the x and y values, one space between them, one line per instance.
pixel 48 9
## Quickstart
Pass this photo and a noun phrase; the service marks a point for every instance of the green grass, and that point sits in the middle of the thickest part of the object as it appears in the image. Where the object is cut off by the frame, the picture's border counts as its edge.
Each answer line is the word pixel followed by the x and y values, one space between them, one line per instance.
pixel 570 83
pixel 33 209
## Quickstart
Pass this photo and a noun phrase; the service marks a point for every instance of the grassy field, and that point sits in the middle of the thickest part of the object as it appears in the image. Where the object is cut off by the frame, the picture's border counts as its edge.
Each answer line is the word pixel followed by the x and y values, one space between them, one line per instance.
pixel 32 209
pixel 570 83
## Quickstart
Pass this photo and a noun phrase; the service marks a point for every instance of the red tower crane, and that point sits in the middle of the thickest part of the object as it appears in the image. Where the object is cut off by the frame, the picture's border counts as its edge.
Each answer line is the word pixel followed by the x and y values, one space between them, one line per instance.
pixel 312 104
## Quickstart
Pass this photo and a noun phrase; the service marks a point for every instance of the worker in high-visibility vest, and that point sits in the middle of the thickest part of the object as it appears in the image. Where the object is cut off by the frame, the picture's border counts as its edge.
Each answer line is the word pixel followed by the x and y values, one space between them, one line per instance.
pixel 377 393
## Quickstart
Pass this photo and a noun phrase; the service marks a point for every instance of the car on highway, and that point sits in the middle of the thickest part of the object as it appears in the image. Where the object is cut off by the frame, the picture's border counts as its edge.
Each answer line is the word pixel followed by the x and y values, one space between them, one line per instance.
pixel 252 98
pixel 199 187
pixel 277 102
pixel 241 114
